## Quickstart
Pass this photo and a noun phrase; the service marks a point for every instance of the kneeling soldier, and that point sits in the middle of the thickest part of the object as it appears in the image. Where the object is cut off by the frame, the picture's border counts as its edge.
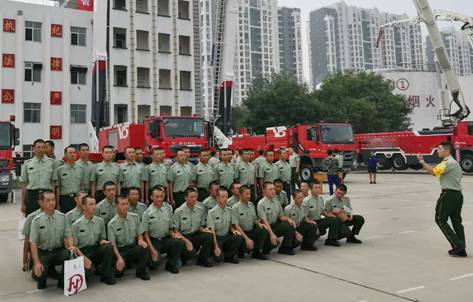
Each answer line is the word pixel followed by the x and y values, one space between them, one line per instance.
pixel 125 232
pixel 221 221
pixel 159 231
pixel 76 212
pixel 50 239
pixel 90 237
pixel 272 216
pixel 306 227
pixel 249 225
pixel 189 220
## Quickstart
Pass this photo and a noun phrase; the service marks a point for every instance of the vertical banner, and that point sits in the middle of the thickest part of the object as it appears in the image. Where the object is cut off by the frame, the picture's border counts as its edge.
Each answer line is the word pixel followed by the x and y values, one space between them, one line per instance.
pixel 99 104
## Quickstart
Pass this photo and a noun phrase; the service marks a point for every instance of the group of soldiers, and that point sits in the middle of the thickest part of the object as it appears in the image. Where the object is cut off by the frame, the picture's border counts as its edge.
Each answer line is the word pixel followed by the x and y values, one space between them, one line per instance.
pixel 119 215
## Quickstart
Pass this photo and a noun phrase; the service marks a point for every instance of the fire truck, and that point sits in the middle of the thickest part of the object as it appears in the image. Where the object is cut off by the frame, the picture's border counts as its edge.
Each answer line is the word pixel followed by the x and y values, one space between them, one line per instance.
pixel 397 150
pixel 311 142
pixel 167 132
pixel 9 138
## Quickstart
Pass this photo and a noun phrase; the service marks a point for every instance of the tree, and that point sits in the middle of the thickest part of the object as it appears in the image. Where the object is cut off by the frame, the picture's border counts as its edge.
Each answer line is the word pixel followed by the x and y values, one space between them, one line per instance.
pixel 276 100
pixel 364 99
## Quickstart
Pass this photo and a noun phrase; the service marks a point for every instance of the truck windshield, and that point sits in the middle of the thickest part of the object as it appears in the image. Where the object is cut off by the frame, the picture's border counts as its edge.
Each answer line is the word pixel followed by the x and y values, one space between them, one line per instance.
pixel 337 134
pixel 5 140
pixel 183 127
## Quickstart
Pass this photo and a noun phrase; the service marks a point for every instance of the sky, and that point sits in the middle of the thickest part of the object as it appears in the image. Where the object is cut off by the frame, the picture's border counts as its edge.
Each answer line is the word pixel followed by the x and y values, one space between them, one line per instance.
pixel 392 6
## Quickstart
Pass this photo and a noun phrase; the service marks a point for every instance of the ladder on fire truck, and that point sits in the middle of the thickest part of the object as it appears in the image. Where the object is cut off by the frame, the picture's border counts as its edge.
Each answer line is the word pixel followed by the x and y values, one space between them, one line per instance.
pixel 429 18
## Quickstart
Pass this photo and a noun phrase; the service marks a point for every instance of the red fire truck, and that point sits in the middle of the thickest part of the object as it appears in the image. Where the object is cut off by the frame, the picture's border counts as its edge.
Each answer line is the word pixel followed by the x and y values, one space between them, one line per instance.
pixel 398 149
pixel 9 136
pixel 167 132
pixel 311 142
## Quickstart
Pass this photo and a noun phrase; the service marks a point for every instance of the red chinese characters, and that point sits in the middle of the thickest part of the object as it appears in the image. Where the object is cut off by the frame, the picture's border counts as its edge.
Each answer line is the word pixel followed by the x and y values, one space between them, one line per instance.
pixel 56 30
pixel 8 96
pixel 55 132
pixel 8 60
pixel 56 64
pixel 56 97
pixel 9 25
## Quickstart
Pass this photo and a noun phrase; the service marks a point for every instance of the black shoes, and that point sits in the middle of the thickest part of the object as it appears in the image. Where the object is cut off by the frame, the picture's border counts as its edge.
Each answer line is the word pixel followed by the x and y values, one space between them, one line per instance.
pixel 332 242
pixel 108 281
pixel 119 274
pixel 41 284
pixel 308 248
pixel 171 269
pixel 241 255
pixel 257 255
pixel 353 239
pixel 203 262
pixel 286 251
pixel 457 252
pixel 143 276
pixel 233 260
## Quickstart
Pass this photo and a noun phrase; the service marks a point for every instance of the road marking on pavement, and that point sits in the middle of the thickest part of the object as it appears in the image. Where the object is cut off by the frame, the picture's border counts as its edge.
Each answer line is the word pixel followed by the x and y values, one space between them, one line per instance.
pixel 407 232
pixel 461 277
pixel 410 289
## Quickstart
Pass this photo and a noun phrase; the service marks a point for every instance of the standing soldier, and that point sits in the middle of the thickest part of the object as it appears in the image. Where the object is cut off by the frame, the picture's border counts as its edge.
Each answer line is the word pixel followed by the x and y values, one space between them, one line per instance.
pixel 284 171
pixel 278 225
pixel 281 195
pixel 235 195
pixel 221 221
pixel 134 204
pixel 160 234
pixel 211 201
pixel 294 161
pixel 132 172
pixel 49 151
pixel 245 173
pixel 315 208
pixel 125 232
pixel 70 179
pixel 331 164
pixel 86 164
pixel 214 159
pixel 189 220
pixel 268 171
pixel 37 175
pixel 449 205
pixel 106 208
pixel 156 173
pixel 50 239
pixel 259 160
pixel 340 206
pixel 225 170
pixel 104 172
pixel 203 175
pixel 253 231
pixel 90 239
pixel 305 227
pixel 76 212
pixel 139 155
pixel 179 178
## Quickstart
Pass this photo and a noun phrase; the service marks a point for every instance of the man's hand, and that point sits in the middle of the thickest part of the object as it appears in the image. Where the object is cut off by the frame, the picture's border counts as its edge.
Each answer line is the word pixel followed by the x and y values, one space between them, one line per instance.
pixel 299 237
pixel 176 235
pixel 154 255
pixel 420 158
pixel 120 264
pixel 274 240
pixel 23 208
pixel 291 222
pixel 349 217
pixel 249 243
pixel 235 232
pixel 217 252
pixel 310 221
pixel 207 230
pixel 38 269
pixel 189 245
pixel 87 263
pixel 142 243
pixel 103 241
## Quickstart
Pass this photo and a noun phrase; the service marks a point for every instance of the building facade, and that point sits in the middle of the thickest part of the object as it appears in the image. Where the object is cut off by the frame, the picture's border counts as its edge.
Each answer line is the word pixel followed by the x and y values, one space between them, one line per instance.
pixel 45 77
pixel 343 37
pixel 290 42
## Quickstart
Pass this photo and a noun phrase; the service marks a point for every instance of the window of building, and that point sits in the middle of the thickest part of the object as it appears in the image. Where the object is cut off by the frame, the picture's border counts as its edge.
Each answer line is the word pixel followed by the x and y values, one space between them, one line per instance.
pixel 143 77
pixel 163 8
pixel 32 112
pixel 164 43
pixel 33 72
pixel 142 6
pixel 184 45
pixel 121 113
pixel 119 37
pixel 78 114
pixel 119 4
pixel 183 10
pixel 33 31
pixel 165 110
pixel 165 79
pixel 143 111
pixel 185 80
pixel 186 110
pixel 78 36
pixel 142 40
pixel 27 151
pixel 120 76
pixel 78 75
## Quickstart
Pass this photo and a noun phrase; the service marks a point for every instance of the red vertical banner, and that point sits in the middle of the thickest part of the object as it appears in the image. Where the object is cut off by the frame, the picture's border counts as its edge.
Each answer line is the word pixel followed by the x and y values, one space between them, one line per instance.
pixel 85 5
pixel 55 98
pixel 9 25
pixel 56 30
pixel 56 64
pixel 8 60
pixel 55 132
pixel 8 96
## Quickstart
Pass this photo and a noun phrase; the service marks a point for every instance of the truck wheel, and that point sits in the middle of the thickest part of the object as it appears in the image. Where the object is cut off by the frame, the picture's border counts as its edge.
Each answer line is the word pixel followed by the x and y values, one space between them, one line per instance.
pixel 3 198
pixel 383 162
pixel 466 163
pixel 306 172
pixel 399 163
